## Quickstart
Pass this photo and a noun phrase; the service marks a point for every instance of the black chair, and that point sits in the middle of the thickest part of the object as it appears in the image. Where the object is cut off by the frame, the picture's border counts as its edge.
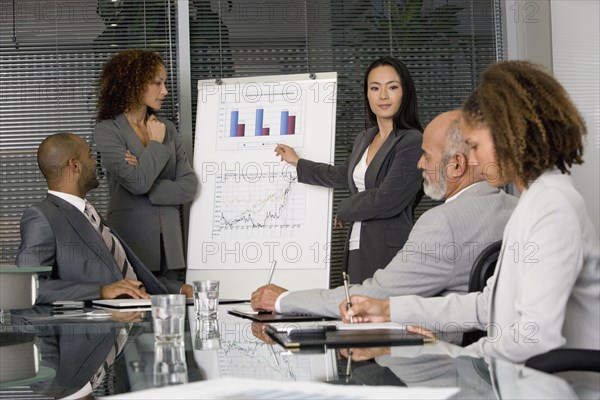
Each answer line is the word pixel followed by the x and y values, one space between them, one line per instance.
pixel 483 268
pixel 559 360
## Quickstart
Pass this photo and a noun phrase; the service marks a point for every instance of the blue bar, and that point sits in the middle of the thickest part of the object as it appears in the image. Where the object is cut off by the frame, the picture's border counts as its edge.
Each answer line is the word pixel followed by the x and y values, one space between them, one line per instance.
pixel 233 128
pixel 284 123
pixel 259 121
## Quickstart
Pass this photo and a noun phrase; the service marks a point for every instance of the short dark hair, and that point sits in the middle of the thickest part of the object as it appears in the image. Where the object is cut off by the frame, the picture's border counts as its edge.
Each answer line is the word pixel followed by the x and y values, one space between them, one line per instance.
pixel 534 124
pixel 54 153
pixel 407 116
pixel 123 80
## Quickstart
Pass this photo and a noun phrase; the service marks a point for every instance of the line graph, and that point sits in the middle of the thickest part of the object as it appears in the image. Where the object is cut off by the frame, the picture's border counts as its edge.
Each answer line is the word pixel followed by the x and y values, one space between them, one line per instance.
pixel 258 360
pixel 258 206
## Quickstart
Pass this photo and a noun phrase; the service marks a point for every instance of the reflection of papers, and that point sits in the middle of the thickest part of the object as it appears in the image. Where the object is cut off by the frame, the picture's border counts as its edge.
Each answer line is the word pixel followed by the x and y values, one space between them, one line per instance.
pixel 233 388
pixel 243 355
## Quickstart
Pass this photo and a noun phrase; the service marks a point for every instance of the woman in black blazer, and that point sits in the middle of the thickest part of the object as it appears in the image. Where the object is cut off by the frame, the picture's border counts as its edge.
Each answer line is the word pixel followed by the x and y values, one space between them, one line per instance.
pixel 381 172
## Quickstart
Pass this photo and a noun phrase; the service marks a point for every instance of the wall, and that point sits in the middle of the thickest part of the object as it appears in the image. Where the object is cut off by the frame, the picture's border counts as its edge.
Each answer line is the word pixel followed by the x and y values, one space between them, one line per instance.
pixel 576 63
pixel 564 36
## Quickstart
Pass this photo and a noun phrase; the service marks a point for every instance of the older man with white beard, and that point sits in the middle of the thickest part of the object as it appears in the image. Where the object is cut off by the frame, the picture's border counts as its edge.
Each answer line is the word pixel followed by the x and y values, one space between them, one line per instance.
pixel 443 244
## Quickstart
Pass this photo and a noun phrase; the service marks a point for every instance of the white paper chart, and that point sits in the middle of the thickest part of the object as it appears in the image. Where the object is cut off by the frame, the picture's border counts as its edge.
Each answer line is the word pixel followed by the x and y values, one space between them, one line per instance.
pixel 250 209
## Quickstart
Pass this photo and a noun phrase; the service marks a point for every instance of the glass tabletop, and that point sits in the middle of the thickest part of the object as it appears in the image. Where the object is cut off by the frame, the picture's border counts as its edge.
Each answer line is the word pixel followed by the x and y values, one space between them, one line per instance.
pixel 107 353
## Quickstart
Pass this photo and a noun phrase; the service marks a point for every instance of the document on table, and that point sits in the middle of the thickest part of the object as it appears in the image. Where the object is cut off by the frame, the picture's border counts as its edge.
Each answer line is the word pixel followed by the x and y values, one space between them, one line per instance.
pixel 246 311
pixel 235 388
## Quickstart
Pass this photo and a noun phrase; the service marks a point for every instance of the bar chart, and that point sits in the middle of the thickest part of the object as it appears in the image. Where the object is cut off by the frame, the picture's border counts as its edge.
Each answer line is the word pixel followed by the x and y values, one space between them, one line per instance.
pixel 249 120
pixel 268 116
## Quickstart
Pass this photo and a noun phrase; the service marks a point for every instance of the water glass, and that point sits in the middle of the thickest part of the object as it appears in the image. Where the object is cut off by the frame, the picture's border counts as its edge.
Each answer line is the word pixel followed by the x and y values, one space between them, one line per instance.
pixel 207 335
pixel 206 298
pixel 170 367
pixel 168 315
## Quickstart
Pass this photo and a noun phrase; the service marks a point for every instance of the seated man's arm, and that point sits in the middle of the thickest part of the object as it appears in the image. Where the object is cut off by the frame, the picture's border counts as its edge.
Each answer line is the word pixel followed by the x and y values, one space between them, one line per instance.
pixel 38 247
pixel 419 268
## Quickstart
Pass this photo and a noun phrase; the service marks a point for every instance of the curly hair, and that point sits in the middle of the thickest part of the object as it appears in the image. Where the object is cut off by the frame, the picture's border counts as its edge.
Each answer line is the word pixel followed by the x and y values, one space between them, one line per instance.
pixel 122 82
pixel 534 124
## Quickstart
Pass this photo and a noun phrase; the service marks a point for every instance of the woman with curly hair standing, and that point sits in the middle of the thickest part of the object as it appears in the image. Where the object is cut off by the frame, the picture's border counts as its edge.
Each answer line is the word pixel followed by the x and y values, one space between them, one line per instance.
pixel 148 172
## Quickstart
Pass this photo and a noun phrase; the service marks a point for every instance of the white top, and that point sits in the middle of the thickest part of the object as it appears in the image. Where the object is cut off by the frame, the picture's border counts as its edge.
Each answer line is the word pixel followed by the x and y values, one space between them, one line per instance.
pixel 358 175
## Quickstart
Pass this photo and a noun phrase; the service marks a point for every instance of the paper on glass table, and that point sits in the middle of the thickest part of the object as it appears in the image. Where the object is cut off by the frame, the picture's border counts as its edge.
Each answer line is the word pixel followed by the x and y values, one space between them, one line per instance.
pixel 339 325
pixel 234 388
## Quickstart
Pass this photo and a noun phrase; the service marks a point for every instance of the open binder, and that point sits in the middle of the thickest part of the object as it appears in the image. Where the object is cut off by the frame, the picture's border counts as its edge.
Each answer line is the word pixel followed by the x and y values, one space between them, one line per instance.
pixel 333 336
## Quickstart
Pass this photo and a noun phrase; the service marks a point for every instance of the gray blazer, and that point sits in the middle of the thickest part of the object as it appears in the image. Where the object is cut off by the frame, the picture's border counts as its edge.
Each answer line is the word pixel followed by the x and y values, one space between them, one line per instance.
pixel 436 259
pixel 55 233
pixel 146 198
pixel 392 182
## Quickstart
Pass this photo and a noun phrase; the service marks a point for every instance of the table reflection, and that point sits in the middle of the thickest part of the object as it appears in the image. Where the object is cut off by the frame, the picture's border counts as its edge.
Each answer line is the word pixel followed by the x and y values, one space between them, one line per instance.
pixel 117 354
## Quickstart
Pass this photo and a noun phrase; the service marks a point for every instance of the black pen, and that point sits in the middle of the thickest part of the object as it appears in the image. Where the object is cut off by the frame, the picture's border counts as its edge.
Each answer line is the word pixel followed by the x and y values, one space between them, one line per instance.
pixel 348 304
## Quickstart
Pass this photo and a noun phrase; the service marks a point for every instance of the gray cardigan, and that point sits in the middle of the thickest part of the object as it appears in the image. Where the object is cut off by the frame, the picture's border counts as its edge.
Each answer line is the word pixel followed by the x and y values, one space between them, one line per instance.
pixel 145 200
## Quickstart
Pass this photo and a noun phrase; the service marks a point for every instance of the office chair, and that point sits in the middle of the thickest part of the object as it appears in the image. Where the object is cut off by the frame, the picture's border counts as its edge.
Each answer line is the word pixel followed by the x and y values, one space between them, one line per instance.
pixel 482 269
pixel 559 360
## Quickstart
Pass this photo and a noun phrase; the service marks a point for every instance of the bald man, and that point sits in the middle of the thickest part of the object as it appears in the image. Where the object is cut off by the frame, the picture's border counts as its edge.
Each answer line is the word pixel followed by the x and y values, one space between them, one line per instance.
pixel 89 261
pixel 443 244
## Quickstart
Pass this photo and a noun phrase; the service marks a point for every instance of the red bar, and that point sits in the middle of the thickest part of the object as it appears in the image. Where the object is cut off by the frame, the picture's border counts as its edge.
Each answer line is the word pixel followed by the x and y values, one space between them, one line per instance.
pixel 291 124
pixel 265 131
pixel 241 129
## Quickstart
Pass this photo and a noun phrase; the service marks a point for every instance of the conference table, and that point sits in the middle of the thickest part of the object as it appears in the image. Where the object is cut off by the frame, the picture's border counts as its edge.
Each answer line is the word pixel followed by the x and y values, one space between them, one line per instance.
pixel 50 355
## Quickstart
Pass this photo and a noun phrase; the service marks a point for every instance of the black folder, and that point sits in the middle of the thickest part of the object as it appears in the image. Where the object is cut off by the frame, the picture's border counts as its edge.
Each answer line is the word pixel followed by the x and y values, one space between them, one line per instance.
pixel 332 337
pixel 268 316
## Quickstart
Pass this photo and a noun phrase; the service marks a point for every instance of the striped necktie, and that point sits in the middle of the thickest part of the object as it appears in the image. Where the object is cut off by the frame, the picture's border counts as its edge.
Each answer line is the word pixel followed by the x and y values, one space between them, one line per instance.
pixel 115 350
pixel 113 244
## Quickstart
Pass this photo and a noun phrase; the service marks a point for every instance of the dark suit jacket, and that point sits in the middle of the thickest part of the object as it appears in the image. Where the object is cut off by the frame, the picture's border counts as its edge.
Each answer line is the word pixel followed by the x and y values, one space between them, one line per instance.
pixel 392 182
pixel 55 233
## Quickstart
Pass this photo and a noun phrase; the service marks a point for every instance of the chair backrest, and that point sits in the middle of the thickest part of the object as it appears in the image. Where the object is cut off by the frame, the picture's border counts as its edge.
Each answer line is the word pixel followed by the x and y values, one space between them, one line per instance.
pixel 483 267
pixel 559 360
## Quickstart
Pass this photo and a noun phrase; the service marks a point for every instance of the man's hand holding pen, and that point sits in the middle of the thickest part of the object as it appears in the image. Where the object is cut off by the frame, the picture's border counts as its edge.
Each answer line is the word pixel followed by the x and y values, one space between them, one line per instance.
pixel 365 309
pixel 347 291
pixel 264 297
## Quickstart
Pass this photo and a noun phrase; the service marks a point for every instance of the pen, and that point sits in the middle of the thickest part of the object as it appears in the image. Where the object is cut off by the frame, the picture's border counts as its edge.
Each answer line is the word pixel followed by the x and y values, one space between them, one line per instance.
pixel 348 304
pixel 273 264
pixel 349 365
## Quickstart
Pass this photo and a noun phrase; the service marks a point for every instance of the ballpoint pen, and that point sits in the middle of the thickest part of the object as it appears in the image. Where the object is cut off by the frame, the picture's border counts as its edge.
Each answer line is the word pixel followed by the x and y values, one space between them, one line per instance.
pixel 348 304
pixel 273 264
pixel 349 365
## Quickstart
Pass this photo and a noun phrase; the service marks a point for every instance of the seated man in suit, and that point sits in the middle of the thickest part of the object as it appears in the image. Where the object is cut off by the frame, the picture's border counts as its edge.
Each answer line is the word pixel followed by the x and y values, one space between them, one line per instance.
pixel 443 244
pixel 64 231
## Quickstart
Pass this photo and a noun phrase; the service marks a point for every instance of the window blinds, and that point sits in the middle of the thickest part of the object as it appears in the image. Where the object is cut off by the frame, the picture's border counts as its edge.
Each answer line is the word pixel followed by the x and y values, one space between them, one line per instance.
pixel 51 53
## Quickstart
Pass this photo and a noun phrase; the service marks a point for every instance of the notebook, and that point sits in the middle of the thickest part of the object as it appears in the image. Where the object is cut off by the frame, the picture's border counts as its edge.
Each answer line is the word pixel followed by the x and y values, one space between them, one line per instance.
pixel 122 304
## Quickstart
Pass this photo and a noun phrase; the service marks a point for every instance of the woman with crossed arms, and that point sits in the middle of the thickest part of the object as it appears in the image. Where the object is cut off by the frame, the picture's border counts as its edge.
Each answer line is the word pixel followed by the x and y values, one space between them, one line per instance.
pixel 523 128
pixel 149 176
